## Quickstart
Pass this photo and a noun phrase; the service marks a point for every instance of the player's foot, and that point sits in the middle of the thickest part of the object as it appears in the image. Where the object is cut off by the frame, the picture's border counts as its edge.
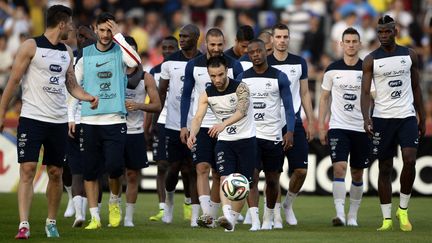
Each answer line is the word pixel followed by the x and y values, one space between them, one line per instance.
pixel 277 222
pixel 352 222
pixel 187 211
pixel 78 222
pixel 114 216
pixel 23 233
pixel 158 216
pixel 94 224
pixel 289 215
pixel 338 221
pixel 128 223
pixel 70 209
pixel 168 214
pixel 387 225
pixel 255 226
pixel 225 223
pixel 206 221
pixel 267 225
pixel 404 223
pixel 240 218
pixel 51 231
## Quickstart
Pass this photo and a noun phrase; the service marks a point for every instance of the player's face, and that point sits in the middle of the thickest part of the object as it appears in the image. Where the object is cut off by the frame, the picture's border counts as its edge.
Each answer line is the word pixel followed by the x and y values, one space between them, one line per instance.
pixel 280 40
pixel 169 47
pixel 269 47
pixel 241 47
pixel 67 27
pixel 257 53
pixel 351 44
pixel 218 76
pixel 215 45
pixel 187 40
pixel 85 36
pixel 386 34
pixel 104 34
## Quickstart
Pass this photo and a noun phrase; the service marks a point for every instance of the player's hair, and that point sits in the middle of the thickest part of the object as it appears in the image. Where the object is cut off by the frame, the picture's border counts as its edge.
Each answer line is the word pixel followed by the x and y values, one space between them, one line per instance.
pixel 170 38
pixel 131 41
pixel 104 17
pixel 56 14
pixel 350 31
pixel 245 33
pixel 386 20
pixel 216 62
pixel 259 41
pixel 214 32
pixel 279 26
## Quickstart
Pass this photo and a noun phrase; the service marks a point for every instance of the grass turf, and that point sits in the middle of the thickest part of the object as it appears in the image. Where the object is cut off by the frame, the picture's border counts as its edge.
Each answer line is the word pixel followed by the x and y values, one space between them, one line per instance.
pixel 314 214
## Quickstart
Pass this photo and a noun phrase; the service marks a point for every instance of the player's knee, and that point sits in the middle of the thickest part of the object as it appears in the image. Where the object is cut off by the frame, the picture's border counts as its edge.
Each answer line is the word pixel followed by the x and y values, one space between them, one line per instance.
pixel 162 166
pixel 55 173
pixel 300 173
pixel 132 176
pixel 409 161
pixel 27 172
pixel 202 169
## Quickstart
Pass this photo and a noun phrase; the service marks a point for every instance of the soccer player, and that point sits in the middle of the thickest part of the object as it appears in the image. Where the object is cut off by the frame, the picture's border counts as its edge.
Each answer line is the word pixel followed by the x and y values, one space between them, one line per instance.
pixel 235 149
pixel 244 34
pixel 341 88
pixel 296 69
pixel 173 74
pixel 197 79
pixel 102 71
pixel 394 70
pixel 139 83
pixel 269 87
pixel 45 67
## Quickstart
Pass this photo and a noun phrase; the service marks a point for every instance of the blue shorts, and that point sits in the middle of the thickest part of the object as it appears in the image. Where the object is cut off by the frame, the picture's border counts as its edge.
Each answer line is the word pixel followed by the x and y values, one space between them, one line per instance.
pixel 159 144
pixel 203 150
pixel 357 144
pixel 388 133
pixel 136 152
pixel 298 155
pixel 177 151
pixel 103 149
pixel 236 157
pixel 74 156
pixel 32 134
pixel 270 155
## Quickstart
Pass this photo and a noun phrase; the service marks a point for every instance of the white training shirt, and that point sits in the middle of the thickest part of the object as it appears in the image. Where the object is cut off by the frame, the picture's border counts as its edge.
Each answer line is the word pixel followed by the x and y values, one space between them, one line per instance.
pixel 135 119
pixel 155 71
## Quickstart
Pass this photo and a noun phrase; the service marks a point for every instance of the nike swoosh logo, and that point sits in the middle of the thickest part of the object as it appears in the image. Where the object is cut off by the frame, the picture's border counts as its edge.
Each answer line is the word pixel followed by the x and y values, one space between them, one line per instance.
pixel 176 68
pixel 101 64
pixel 44 56
pixel 381 65
pixel 201 74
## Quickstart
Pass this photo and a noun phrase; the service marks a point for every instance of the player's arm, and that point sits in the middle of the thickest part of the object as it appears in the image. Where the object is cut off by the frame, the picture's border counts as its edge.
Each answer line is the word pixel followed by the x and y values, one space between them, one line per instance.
pixel 286 96
pixel 22 61
pixel 365 97
pixel 163 87
pixel 188 85
pixel 237 69
pixel 243 100
pixel 72 85
pixel 416 89
pixel 197 120
pixel 129 55
pixel 154 105
pixel 324 106
pixel 307 101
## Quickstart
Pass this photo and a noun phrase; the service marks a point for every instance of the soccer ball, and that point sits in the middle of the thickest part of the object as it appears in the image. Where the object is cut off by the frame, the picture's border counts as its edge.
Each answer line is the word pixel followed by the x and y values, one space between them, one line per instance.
pixel 235 187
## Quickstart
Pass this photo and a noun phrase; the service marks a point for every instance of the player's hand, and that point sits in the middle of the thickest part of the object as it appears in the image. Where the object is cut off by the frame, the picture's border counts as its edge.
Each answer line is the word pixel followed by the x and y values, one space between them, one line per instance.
pixel 323 136
pixel 310 132
pixel 216 129
pixel 94 102
pixel 422 127
pixel 191 141
pixel 71 131
pixel 184 134
pixel 1 124
pixel 113 26
pixel 131 105
pixel 368 126
pixel 288 141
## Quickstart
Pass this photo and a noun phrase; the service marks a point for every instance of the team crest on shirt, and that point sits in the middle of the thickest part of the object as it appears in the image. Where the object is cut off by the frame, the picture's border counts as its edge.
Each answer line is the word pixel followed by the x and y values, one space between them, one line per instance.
pixel 403 62
pixel 268 85
pixel 63 57
pixel 232 100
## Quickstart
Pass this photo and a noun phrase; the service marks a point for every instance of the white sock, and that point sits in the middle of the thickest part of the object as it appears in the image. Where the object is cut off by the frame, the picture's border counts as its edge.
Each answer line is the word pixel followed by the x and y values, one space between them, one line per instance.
pixel 356 194
pixel 161 206
pixel 214 209
pixel 234 218
pixel 50 221
pixel 339 195
pixel 113 198
pixel 195 212
pixel 99 207
pixel 84 207
pixel 69 191
pixel 24 224
pixel 94 212
pixel 78 203
pixel 130 208
pixel 386 210
pixel 404 200
pixel 289 199
pixel 169 197
pixel 205 204
pixel 268 214
pixel 187 200
pixel 254 212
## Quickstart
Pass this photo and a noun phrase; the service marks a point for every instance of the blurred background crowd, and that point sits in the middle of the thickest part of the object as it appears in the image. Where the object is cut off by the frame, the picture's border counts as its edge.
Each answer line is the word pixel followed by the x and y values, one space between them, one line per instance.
pixel 315 26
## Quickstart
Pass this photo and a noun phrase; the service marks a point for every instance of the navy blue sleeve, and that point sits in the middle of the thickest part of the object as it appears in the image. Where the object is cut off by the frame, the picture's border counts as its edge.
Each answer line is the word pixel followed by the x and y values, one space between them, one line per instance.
pixel 239 77
pixel 237 69
pixel 188 85
pixel 152 72
pixel 285 93
pixel 304 69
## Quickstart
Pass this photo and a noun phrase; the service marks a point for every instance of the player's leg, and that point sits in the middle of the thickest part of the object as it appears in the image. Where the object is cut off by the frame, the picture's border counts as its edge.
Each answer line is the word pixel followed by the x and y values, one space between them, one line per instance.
pixel 187 204
pixel 253 198
pixel 67 183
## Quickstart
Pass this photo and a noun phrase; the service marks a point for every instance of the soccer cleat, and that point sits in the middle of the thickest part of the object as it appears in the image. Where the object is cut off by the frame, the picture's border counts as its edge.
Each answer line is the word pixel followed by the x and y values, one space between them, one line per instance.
pixel 247 218
pixel 277 222
pixel 338 221
pixel 114 216
pixel 267 225
pixel 240 218
pixel 128 223
pixel 51 231
pixel 206 221
pixel 255 226
pixel 225 223
pixel 168 214
pixel 187 211
pixel 387 225
pixel 352 222
pixel 23 233
pixel 289 215
pixel 70 209
pixel 78 222
pixel 158 216
pixel 94 224
pixel 402 216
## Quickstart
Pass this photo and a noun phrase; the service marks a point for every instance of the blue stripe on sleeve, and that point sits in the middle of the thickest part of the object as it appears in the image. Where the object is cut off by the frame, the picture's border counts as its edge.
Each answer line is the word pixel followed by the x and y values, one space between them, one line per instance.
pixel 285 93
pixel 188 85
